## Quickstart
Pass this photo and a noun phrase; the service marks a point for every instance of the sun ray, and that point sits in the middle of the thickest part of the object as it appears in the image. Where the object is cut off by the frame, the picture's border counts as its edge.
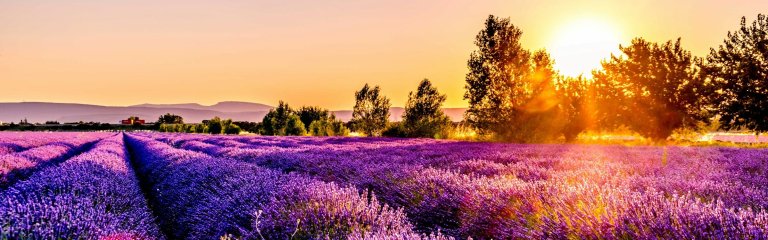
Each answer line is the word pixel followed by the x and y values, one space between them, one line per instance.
pixel 579 46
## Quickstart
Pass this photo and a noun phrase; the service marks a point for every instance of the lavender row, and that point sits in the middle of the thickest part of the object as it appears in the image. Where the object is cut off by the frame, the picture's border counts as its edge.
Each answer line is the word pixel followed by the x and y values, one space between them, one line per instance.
pixel 19 165
pixel 645 165
pixel 11 142
pixel 202 197
pixel 92 195
pixel 439 198
pixel 716 176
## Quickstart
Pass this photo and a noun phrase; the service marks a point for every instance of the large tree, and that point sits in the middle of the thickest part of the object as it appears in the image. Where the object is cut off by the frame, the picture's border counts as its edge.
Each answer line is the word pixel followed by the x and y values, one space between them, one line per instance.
pixel 170 119
pixel 510 90
pixel 576 97
pixel 309 114
pixel 738 70
pixel 423 116
pixel 651 88
pixel 371 112
pixel 276 120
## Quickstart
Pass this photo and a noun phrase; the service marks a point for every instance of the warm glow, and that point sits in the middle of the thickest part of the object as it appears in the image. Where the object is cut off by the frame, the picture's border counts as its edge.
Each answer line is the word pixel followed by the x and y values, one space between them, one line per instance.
pixel 578 47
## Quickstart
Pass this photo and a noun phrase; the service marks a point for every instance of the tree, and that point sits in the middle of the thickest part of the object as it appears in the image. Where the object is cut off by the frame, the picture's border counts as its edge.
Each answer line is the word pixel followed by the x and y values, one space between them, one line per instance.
pixel 371 111
pixel 652 89
pixel 214 125
pixel 229 127
pixel 294 126
pixel 738 71
pixel 169 118
pixel 309 114
pixel 232 129
pixel 338 127
pixel 276 120
pixel 328 127
pixel 577 105
pixel 423 116
pixel 510 90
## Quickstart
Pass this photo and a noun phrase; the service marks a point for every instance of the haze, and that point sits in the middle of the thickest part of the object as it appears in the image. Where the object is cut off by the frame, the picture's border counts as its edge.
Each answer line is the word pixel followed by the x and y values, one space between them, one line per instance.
pixel 308 52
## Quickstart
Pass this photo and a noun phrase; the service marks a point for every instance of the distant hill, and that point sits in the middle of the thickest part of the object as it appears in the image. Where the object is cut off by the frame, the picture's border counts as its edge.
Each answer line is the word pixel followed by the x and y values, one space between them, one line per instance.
pixel 72 112
pixel 39 112
pixel 230 106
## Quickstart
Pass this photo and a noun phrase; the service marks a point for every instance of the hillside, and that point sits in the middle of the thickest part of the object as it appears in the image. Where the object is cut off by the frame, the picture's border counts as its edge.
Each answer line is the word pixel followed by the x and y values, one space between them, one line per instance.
pixel 39 112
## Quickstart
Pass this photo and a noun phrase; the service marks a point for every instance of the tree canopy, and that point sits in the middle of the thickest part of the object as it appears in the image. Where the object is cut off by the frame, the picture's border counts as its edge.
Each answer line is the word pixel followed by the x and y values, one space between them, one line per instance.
pixel 423 116
pixel 309 114
pixel 738 70
pixel 169 118
pixel 276 120
pixel 510 90
pixel 371 112
pixel 651 88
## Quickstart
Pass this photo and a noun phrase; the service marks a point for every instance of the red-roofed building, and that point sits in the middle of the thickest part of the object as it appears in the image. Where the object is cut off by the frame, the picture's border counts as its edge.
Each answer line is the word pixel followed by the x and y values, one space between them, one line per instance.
pixel 132 121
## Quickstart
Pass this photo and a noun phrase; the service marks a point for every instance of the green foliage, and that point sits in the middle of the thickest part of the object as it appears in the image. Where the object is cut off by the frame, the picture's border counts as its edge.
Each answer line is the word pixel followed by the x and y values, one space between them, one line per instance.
pixel 339 128
pixel 423 116
pixel 282 121
pixel 576 97
pixel 294 126
pixel 247 126
pixel 276 120
pixel 371 111
pixel 200 128
pixel 396 129
pixel 508 87
pixel 738 73
pixel 214 125
pixel 328 127
pixel 182 128
pixel 309 114
pixel 651 88
pixel 170 119
pixel 232 129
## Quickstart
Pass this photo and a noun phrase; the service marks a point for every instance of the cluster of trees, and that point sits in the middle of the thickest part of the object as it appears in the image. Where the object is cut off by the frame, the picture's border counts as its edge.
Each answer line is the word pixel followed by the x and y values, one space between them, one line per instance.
pixel 423 116
pixel 650 88
pixel 307 120
pixel 515 94
pixel 174 123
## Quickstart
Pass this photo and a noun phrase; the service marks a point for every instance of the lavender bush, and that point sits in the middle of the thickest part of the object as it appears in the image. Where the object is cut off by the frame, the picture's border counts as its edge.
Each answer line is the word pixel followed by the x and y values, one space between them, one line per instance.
pixel 532 191
pixel 11 142
pixel 203 197
pixel 54 148
pixel 92 195
pixel 238 187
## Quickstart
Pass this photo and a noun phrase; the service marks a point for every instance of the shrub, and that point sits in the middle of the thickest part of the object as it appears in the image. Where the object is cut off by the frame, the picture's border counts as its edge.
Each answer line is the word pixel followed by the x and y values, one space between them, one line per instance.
pixel 232 129
pixel 423 116
pixel 309 114
pixel 328 127
pixel 294 126
pixel 395 130
pixel 371 111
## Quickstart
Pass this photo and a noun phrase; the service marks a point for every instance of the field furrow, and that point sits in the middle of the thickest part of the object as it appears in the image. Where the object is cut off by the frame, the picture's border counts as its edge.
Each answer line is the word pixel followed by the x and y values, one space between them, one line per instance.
pixel 580 192
pixel 94 195
pixel 13 142
pixel 18 166
pixel 201 197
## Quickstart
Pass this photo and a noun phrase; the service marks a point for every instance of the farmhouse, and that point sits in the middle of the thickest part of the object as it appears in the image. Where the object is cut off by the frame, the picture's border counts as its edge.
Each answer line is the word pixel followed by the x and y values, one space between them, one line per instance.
pixel 132 121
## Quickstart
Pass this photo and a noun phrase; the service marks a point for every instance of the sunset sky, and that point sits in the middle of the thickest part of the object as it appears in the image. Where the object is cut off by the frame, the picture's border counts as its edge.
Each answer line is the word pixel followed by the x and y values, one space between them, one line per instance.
pixel 309 52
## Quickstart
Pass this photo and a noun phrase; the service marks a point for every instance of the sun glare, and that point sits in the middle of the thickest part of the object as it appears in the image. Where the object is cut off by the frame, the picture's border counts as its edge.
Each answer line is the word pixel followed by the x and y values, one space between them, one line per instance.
pixel 578 47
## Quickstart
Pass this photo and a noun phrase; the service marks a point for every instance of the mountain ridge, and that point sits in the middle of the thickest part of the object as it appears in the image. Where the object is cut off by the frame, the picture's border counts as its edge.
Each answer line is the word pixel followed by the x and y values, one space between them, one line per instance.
pixel 40 112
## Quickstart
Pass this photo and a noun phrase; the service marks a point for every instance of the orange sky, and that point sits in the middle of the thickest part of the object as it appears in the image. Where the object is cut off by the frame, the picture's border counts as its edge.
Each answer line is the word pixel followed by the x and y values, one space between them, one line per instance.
pixel 305 52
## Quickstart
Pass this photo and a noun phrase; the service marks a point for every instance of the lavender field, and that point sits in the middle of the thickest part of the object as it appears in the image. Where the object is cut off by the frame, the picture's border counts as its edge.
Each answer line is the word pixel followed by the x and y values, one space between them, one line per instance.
pixel 189 186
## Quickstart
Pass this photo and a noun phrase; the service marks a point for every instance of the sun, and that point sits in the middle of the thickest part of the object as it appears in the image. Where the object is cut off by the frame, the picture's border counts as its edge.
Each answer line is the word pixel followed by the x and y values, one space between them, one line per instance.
pixel 578 46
